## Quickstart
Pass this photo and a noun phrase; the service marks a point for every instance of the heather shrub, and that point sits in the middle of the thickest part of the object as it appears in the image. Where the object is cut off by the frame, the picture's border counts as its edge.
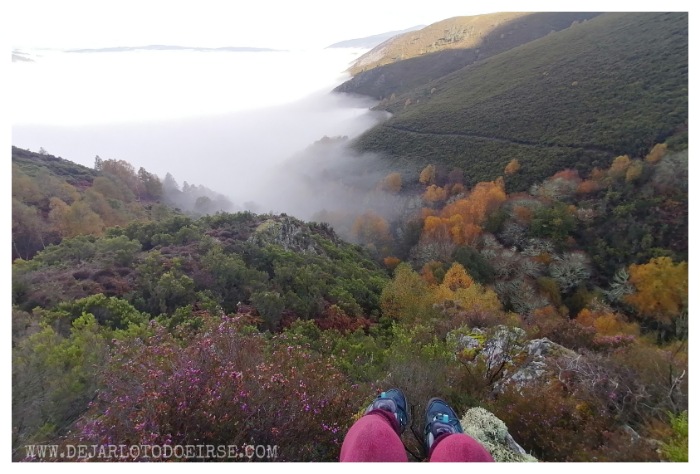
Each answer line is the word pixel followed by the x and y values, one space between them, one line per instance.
pixel 662 372
pixel 227 385
pixel 554 423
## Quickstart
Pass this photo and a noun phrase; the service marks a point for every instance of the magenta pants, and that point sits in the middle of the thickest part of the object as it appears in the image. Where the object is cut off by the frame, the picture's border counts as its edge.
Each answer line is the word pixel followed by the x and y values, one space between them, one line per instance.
pixel 374 438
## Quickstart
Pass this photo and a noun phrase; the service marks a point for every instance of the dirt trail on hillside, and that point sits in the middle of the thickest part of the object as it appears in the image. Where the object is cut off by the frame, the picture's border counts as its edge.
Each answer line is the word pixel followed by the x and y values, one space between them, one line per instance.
pixel 504 140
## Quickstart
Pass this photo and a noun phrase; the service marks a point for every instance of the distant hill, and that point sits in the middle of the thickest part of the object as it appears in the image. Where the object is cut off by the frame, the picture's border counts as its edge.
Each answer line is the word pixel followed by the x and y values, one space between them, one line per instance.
pixel 613 85
pixel 33 164
pixel 374 40
pixel 160 47
pixel 53 199
pixel 21 56
pixel 419 57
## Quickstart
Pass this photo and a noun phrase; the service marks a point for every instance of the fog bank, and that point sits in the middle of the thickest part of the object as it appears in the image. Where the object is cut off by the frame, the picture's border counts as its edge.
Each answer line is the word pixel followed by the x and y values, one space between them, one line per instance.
pixel 254 145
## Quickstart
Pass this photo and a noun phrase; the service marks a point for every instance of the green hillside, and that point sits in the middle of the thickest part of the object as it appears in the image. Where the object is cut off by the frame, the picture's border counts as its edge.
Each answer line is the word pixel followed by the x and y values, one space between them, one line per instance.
pixel 415 59
pixel 614 85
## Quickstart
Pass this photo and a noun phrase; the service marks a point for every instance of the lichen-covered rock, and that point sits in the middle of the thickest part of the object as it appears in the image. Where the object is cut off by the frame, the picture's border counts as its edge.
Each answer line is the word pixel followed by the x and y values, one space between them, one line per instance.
pixel 502 344
pixel 289 233
pixel 533 362
pixel 492 433
pixel 506 356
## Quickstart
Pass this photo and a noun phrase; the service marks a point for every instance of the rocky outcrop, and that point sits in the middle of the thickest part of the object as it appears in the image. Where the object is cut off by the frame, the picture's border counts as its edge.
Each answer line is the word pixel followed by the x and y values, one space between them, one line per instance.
pixel 287 232
pixel 506 355
pixel 492 433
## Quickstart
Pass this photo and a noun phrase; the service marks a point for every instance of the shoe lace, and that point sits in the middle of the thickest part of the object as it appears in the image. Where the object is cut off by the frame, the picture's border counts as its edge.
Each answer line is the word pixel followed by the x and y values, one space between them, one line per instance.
pixel 386 404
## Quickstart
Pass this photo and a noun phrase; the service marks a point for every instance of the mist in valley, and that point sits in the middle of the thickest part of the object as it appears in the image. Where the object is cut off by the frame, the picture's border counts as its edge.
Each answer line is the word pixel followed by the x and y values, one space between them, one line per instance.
pixel 249 131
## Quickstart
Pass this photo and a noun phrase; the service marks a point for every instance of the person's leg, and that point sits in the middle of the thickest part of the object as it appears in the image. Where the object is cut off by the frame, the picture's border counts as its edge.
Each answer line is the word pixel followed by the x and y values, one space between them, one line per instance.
pixel 376 436
pixel 444 438
pixel 458 447
pixel 373 438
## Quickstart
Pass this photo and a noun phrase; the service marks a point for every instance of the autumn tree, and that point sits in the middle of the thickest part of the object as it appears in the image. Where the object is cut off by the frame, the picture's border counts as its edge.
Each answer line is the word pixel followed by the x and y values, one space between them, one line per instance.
pixel 656 153
pixel 512 167
pixel 459 288
pixel 124 172
pixel 391 183
pixel 434 194
pixel 662 289
pixel 461 220
pixel 619 166
pixel 406 296
pixel 634 171
pixel 606 322
pixel 370 228
pixel 588 186
pixel 74 219
pixel 391 262
pixel 427 176
pixel 457 277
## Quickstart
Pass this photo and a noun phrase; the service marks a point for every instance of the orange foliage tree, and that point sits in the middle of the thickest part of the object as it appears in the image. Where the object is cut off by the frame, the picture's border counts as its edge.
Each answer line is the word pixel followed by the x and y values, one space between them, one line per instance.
pixel 588 186
pixel 461 220
pixel 512 167
pixel 427 176
pixel 434 194
pixel 457 286
pixel 391 262
pixel 606 323
pixel 391 183
pixel 662 289
pixel 371 228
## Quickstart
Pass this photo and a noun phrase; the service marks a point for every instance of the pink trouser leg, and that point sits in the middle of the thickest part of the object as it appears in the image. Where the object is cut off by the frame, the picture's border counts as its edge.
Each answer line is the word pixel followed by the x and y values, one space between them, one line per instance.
pixel 373 438
pixel 458 447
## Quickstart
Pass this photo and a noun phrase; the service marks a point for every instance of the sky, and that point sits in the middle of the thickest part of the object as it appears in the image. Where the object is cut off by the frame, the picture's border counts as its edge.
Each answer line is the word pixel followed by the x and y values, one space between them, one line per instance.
pixel 279 24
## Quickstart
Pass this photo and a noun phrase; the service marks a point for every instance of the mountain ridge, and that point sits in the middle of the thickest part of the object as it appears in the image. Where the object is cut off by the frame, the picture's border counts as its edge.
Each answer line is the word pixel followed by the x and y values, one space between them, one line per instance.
pixel 613 85
pixel 373 40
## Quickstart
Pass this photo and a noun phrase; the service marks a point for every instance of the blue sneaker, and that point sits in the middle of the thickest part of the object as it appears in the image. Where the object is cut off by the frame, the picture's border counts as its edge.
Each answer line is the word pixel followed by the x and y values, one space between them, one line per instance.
pixel 393 401
pixel 440 418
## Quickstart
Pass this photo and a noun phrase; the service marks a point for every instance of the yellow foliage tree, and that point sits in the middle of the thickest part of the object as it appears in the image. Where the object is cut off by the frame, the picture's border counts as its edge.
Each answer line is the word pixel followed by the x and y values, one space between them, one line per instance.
pixel 662 289
pixel 406 296
pixel 656 153
pixel 619 166
pixel 634 171
pixel 76 219
pixel 457 277
pixel 460 288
